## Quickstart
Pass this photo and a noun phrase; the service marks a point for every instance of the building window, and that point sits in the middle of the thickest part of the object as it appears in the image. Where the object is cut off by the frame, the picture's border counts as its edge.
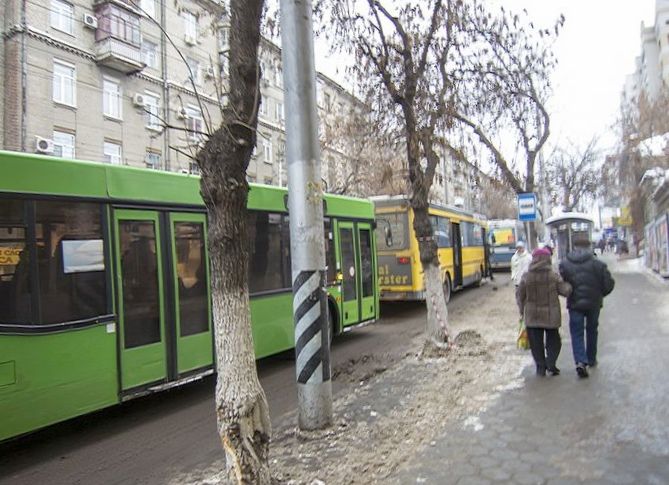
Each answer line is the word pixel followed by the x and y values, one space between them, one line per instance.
pixel 151 110
pixel 190 26
pixel 279 112
pixel 267 151
pixel 111 98
pixel 152 160
pixel 327 102
pixel 278 76
pixel 264 103
pixel 64 83
pixel 119 23
pixel 63 144
pixel 150 53
pixel 62 16
pixel 112 153
pixel 194 123
pixel 149 7
pixel 223 39
pixel 194 71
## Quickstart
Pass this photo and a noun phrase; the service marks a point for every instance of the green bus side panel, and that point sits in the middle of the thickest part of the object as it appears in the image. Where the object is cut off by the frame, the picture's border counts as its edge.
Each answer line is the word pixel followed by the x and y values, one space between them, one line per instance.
pixel 57 377
pixel 268 198
pixel 151 186
pixel 26 173
pixel 348 207
pixel 273 329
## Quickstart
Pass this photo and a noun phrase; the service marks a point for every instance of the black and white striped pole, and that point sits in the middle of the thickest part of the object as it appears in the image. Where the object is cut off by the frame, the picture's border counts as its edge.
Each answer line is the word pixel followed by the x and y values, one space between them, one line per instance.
pixel 305 206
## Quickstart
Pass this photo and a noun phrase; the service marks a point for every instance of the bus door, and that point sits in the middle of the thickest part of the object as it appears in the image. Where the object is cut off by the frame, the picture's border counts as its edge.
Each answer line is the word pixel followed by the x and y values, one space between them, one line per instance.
pixel 163 303
pixel 367 295
pixel 141 297
pixel 190 283
pixel 457 255
pixel 349 255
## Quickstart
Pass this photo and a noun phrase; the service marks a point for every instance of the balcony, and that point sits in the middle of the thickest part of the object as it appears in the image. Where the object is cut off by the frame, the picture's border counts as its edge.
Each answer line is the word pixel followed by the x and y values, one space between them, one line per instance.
pixel 119 55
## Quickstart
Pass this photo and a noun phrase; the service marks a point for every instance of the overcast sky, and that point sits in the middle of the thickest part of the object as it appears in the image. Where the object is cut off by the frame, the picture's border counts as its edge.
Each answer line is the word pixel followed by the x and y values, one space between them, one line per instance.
pixel 596 50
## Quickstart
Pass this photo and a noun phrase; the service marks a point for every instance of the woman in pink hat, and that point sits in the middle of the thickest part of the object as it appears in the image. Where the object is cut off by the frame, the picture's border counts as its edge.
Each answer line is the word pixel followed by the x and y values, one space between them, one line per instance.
pixel 540 308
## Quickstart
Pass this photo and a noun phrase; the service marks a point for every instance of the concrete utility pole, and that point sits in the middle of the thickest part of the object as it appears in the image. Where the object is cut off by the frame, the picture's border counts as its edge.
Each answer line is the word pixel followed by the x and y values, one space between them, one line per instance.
pixel 305 206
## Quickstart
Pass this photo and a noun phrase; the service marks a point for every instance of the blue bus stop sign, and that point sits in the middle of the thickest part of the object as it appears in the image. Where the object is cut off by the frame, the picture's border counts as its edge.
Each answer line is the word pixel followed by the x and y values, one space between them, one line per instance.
pixel 527 207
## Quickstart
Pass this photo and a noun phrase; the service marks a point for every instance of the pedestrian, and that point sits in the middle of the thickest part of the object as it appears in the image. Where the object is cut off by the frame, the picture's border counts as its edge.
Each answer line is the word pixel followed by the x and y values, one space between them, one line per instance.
pixel 591 281
pixel 602 245
pixel 520 262
pixel 540 308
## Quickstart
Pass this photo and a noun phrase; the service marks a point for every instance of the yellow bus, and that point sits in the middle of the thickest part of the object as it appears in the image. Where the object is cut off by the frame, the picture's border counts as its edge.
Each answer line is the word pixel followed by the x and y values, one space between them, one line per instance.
pixel 460 238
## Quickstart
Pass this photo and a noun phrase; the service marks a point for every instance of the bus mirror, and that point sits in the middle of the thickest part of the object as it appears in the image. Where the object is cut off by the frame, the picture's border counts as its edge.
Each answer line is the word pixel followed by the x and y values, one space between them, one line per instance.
pixel 492 238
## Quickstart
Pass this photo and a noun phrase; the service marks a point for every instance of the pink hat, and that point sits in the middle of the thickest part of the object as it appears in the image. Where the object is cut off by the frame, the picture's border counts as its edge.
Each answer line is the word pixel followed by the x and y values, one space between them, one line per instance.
pixel 537 253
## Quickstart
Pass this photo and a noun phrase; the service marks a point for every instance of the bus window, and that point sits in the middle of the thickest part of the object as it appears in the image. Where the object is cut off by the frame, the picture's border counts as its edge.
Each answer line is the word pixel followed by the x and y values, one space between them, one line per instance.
pixel 441 227
pixel 139 270
pixel 70 261
pixel 192 274
pixel 366 261
pixel 397 224
pixel 15 294
pixel 330 261
pixel 265 256
pixel 502 236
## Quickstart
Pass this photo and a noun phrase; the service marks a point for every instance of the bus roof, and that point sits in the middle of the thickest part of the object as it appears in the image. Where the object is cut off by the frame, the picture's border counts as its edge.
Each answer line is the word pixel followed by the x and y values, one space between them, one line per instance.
pixel 503 223
pixel 398 200
pixel 52 176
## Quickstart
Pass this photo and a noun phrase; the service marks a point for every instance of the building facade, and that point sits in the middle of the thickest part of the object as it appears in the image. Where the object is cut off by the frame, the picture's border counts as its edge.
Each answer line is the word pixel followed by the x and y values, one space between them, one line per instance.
pixel 141 82
pixel 651 74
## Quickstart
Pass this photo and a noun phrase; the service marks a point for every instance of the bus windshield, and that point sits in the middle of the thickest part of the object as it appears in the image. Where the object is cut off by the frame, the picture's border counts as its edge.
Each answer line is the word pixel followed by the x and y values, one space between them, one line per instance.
pixel 502 236
pixel 393 225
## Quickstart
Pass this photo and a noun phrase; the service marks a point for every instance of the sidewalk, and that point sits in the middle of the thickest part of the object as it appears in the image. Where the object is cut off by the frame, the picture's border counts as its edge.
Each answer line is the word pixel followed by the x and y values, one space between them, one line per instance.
pixel 610 428
pixel 480 415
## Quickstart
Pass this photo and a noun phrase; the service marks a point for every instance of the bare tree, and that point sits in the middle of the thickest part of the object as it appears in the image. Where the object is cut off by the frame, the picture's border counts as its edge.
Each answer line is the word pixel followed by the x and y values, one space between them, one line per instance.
pixel 362 159
pixel 503 89
pixel 575 175
pixel 403 50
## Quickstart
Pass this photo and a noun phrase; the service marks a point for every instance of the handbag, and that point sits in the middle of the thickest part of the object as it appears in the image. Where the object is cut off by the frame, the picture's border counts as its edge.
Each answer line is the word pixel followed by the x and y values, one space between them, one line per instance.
pixel 522 342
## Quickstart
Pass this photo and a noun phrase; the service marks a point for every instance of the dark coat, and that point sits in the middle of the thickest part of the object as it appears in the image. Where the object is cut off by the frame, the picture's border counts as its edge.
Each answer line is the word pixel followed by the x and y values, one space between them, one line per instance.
pixel 538 295
pixel 590 279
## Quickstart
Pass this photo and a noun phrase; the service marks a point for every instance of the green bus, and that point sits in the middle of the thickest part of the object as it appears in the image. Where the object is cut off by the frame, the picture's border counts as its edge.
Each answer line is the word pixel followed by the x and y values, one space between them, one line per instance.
pixel 104 283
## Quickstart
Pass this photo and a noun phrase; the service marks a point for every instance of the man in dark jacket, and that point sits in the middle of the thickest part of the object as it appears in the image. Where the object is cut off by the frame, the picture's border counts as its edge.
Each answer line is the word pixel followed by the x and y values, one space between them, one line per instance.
pixel 591 282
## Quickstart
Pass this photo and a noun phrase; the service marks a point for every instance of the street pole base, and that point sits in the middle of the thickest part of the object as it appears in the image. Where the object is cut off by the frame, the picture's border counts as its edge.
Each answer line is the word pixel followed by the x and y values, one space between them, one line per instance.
pixel 315 405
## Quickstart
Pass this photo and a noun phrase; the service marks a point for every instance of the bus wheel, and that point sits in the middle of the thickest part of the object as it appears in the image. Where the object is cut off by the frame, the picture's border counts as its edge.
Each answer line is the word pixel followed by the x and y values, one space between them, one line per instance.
pixel 447 289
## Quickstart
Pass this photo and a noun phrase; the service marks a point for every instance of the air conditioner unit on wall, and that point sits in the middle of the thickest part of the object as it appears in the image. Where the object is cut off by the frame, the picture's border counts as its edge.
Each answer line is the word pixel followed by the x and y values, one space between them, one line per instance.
pixel 43 145
pixel 190 40
pixel 139 100
pixel 90 21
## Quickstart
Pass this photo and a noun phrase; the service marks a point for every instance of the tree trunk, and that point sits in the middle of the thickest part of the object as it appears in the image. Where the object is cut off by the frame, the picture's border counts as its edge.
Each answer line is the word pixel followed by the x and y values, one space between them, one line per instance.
pixel 241 405
pixel 436 330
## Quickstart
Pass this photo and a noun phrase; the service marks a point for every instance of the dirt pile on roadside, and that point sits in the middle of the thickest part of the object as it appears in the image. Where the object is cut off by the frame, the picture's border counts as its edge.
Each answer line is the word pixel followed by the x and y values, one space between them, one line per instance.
pixel 393 410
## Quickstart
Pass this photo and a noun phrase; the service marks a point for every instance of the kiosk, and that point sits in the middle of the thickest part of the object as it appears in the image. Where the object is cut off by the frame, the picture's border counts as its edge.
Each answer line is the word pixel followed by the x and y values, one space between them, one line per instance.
pixel 568 227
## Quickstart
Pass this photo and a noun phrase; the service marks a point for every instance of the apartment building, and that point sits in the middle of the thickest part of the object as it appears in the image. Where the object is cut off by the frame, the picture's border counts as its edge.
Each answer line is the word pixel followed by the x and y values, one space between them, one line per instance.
pixel 651 74
pixel 102 80
pixel 136 82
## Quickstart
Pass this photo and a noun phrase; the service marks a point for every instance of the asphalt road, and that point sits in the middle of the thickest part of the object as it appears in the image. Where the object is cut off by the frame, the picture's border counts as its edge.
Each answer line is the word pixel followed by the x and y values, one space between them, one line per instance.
pixel 149 439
